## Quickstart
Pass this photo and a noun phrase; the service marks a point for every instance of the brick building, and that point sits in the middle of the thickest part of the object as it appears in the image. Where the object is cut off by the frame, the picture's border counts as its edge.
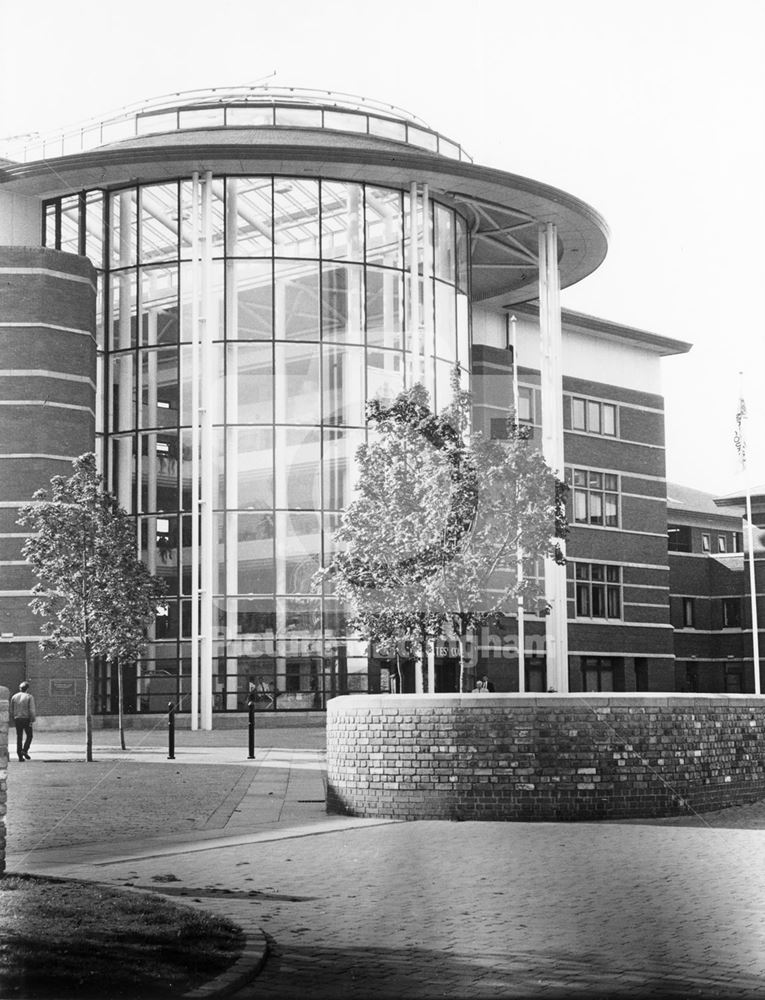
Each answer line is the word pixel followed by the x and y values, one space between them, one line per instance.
pixel 205 289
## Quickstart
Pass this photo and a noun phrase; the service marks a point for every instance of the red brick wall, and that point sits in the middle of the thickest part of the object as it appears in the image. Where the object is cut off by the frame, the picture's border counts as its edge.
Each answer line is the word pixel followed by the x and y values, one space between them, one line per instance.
pixel 509 757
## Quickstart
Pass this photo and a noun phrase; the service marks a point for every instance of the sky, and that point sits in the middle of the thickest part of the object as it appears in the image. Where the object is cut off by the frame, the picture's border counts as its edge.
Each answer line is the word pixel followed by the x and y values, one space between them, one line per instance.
pixel 651 112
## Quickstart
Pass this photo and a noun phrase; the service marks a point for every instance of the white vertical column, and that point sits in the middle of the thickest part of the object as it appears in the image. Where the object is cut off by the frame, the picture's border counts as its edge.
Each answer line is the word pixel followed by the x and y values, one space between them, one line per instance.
pixel 520 611
pixel 428 353
pixel 556 623
pixel 208 386
pixel 194 416
pixel 413 331
pixel 126 361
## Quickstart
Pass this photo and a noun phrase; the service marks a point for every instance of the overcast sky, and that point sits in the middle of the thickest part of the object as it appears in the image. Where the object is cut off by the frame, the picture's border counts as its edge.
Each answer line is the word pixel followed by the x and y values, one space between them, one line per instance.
pixel 652 112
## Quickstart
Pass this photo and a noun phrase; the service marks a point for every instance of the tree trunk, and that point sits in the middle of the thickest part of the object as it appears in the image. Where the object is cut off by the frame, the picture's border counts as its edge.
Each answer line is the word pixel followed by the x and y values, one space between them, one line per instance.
pixel 120 716
pixel 88 703
pixel 419 686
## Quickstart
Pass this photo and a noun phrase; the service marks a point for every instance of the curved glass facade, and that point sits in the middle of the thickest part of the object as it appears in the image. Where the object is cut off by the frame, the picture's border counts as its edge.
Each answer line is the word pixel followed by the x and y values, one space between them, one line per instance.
pixel 307 300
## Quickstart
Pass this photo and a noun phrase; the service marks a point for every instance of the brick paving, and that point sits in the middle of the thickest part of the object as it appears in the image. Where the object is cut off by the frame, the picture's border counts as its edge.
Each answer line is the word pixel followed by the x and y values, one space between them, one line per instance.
pixel 357 909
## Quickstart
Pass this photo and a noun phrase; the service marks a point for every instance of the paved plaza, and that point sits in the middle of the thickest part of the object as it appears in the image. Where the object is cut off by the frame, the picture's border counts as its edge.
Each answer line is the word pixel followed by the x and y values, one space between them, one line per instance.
pixel 365 908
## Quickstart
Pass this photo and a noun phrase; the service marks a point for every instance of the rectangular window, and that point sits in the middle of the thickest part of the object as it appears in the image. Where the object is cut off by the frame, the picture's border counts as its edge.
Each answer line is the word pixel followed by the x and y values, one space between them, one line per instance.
pixel 594 417
pixel 731 612
pixel 679 538
pixel 722 543
pixel 598 591
pixel 597 673
pixel 689 612
pixel 595 497
pixel 526 408
pixel 705 543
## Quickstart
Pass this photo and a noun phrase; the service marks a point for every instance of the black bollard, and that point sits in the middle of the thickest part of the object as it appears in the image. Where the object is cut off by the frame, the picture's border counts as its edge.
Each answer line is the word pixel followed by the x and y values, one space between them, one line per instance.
pixel 170 731
pixel 251 744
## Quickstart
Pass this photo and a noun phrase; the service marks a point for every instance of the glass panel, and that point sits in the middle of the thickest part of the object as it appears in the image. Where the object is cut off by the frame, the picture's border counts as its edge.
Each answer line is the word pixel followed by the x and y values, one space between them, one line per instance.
pixel 70 224
pixel 339 469
pixel 384 227
pixel 297 383
pixel 186 218
pixel 580 506
pixel 385 374
pixel 94 228
pixel 611 510
pixel 250 116
pixel 186 384
pixel 249 471
pixel 298 468
pixel 418 137
pixel 300 117
pixel 385 318
pixel 408 229
pixel 342 303
pixel 122 392
pixel 446 327
pixel 595 480
pixel 159 472
pixel 462 253
pixel 444 372
pixel 387 129
pixel 249 383
pixel 159 223
pixel 583 600
pixel 123 310
pixel 248 217
pixel 158 377
pixel 296 217
pixel 580 477
pixel 577 414
pixel 201 118
pixel 148 124
pixel 463 331
pixel 443 254
pixel 345 121
pixel 596 508
pixel 593 417
pixel 344 385
pixel 254 534
pixel 122 471
pixel 446 148
pixel 296 300
pixel 123 227
pixel 598 601
pixel 159 305
pixel 253 616
pixel 614 602
pixel 51 212
pixel 342 221
pixel 249 300
pixel 298 551
pixel 609 419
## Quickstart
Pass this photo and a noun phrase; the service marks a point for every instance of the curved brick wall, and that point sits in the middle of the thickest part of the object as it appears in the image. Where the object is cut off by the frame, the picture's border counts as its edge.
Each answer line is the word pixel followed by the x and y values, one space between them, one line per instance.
pixel 542 757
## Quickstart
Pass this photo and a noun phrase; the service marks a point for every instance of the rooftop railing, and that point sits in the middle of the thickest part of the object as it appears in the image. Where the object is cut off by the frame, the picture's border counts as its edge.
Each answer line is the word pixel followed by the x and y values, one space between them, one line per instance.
pixel 238 107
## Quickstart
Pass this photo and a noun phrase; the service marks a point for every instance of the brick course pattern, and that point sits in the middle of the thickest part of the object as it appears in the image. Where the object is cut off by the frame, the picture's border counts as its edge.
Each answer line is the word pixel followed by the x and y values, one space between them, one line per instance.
pixel 4 696
pixel 547 757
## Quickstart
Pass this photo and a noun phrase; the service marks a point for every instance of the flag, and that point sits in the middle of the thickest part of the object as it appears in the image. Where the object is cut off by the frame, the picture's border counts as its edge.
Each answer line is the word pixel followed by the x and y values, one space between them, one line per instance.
pixel 738 437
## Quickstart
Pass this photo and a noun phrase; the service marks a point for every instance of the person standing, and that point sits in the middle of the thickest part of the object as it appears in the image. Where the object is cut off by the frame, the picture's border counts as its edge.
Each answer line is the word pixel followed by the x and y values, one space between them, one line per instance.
pixel 23 715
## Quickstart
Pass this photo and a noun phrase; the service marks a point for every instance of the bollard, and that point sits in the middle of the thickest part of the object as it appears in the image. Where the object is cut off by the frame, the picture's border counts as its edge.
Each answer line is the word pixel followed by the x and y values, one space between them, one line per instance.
pixel 170 731
pixel 251 708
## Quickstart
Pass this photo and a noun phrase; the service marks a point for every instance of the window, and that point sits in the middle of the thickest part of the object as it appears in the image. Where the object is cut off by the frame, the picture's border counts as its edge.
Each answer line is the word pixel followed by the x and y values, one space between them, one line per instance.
pixel 598 591
pixel 731 612
pixel 526 405
pixel 705 543
pixel 595 497
pixel 689 612
pixel 679 538
pixel 722 543
pixel 597 673
pixel 594 417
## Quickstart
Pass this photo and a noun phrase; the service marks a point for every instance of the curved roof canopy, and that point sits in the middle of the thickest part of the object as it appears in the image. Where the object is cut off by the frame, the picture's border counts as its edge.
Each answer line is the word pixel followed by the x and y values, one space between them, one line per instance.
pixel 292 132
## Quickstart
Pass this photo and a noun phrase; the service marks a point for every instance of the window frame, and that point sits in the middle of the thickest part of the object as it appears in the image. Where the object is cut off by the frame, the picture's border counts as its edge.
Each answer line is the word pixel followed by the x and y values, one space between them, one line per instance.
pixel 589 488
pixel 593 412
pixel 597 589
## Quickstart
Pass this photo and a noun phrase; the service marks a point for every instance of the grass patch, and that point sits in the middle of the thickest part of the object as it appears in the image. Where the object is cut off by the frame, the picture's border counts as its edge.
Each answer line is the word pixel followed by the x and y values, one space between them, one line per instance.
pixel 62 938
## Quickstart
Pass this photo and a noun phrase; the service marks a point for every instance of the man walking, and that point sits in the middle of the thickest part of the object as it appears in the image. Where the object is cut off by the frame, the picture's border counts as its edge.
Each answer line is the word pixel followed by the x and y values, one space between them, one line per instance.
pixel 23 715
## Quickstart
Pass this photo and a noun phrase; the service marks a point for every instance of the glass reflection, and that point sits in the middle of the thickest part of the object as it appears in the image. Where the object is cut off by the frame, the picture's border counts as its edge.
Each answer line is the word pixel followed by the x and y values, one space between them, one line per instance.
pixel 298 468
pixel 342 301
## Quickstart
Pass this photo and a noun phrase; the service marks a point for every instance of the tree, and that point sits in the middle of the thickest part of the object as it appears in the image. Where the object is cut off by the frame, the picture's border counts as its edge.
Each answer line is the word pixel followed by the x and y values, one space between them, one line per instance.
pixel 429 545
pixel 94 593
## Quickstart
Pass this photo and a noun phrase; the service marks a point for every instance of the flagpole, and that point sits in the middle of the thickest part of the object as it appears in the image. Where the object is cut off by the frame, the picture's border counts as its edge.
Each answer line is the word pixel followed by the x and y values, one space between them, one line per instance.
pixel 741 445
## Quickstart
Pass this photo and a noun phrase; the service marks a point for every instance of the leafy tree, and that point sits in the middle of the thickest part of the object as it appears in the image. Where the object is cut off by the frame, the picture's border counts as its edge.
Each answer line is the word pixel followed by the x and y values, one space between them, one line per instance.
pixel 96 596
pixel 428 546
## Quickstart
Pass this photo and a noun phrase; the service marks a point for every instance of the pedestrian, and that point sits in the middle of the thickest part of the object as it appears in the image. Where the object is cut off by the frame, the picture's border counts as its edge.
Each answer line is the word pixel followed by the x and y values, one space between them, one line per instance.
pixel 479 688
pixel 23 715
pixel 487 684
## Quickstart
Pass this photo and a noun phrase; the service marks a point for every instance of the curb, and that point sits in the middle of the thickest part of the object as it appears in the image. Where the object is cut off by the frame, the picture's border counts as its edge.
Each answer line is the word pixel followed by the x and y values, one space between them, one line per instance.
pixel 243 971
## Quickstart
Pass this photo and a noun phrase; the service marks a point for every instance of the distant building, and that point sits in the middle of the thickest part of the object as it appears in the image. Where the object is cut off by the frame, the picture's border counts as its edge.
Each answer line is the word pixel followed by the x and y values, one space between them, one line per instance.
pixel 206 289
